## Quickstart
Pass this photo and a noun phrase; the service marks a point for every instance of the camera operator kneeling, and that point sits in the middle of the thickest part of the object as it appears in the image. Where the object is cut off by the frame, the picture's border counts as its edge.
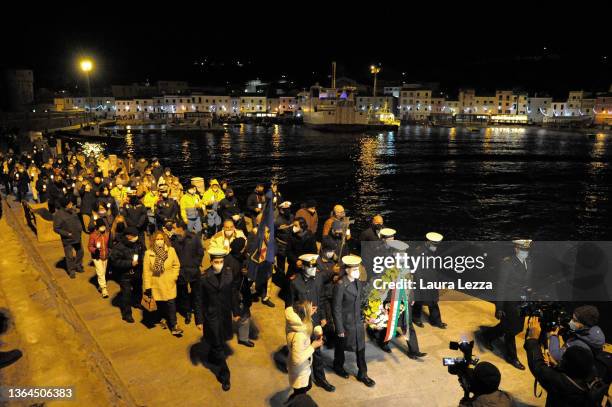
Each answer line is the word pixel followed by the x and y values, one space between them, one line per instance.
pixel 484 383
pixel 571 384
pixel 583 332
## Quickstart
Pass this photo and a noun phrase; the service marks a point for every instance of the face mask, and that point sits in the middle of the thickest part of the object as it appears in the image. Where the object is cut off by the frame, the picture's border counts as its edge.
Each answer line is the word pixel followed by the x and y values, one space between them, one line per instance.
pixel 296 229
pixel 522 255
pixel 102 230
pixel 432 247
pixel 236 218
pixel 217 268
pixel 354 273
pixel 165 195
pixel 102 212
pixel 159 243
pixel 573 326
pixel 133 240
pixel 228 233
pixel 329 255
pixel 311 271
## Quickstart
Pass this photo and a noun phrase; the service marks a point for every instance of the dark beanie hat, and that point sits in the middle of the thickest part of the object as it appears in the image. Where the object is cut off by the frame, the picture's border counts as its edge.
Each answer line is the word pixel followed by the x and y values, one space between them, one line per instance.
pixel 486 378
pixel 132 231
pixel 587 315
pixel 311 203
pixel 100 222
pixel 578 362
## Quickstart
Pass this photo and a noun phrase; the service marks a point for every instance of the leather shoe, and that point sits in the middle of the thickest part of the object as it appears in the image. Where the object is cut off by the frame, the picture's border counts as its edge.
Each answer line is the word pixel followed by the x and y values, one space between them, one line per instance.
pixel 441 325
pixel 517 364
pixel 325 385
pixel 416 355
pixel 341 372
pixel 268 303
pixel 248 344
pixel 225 386
pixel 385 348
pixel 10 357
pixel 419 324
pixel 128 319
pixel 366 380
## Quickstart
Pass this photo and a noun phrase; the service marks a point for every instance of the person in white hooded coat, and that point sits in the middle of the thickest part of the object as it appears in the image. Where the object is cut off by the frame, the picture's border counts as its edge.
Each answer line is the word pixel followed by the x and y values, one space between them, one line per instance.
pixel 299 329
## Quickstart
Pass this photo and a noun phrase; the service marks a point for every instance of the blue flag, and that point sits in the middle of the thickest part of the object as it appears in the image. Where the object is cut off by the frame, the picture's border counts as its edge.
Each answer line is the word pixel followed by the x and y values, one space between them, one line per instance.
pixel 265 243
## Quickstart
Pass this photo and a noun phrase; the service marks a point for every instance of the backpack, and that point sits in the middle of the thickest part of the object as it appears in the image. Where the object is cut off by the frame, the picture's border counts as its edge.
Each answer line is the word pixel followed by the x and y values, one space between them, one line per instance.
pixel 603 362
pixel 595 390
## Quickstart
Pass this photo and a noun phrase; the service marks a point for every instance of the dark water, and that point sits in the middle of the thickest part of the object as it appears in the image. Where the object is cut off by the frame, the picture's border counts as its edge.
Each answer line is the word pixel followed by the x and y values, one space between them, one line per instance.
pixel 492 185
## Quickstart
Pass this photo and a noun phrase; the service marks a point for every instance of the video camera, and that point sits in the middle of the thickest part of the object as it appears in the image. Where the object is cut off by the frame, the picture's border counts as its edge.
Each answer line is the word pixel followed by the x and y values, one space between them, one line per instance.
pixel 552 314
pixel 461 366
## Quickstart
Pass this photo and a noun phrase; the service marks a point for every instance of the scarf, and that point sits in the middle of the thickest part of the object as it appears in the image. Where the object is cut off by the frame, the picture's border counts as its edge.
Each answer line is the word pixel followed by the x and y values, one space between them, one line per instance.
pixel 160 257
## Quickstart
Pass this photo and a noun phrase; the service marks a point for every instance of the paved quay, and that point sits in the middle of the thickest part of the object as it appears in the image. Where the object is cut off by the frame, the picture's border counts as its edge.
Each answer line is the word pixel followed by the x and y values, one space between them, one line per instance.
pixel 157 369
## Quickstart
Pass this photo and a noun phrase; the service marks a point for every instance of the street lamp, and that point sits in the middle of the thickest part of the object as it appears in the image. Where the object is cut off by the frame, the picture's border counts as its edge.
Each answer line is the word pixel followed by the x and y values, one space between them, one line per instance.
pixel 87 66
pixel 374 70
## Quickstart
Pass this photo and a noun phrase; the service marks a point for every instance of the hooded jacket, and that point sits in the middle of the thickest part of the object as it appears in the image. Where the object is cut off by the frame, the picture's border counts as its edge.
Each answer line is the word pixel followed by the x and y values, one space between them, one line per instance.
pixel 592 338
pixel 300 350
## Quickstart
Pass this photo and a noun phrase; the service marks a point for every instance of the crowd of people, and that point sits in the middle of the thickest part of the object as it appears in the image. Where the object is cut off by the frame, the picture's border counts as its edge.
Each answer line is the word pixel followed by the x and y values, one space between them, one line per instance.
pixel 201 252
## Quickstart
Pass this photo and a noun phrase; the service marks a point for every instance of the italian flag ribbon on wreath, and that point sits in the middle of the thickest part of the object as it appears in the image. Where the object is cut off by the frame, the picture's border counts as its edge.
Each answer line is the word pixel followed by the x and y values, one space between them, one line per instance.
pixel 398 295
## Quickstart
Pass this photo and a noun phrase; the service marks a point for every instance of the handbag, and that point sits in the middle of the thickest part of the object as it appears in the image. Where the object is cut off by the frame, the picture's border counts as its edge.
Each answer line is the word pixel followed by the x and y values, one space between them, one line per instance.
pixel 148 303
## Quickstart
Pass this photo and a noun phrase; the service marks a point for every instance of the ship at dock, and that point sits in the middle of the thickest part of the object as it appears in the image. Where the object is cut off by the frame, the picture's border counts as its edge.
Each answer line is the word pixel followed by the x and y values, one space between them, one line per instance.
pixel 334 109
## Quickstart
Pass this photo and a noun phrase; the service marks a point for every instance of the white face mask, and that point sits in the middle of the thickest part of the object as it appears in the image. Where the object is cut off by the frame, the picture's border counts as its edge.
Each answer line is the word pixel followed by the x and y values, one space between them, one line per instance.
pixel 432 247
pixel 311 271
pixel 236 218
pixel 228 233
pixel 165 195
pixel 296 229
pixel 354 273
pixel 217 268
pixel 102 230
pixel 329 255
pixel 159 243
pixel 522 255
pixel 573 326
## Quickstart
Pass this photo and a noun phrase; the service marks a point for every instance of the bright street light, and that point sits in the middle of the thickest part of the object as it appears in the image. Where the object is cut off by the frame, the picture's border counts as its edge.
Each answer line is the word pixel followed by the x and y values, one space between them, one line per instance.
pixel 86 65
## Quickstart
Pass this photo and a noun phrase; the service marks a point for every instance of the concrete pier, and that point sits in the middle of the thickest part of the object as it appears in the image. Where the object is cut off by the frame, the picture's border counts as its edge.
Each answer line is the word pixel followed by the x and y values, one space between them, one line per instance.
pixel 111 362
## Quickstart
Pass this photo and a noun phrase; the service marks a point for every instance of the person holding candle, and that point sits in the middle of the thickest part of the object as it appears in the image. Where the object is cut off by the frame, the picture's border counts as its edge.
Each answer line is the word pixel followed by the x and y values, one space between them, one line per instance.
pixel 98 247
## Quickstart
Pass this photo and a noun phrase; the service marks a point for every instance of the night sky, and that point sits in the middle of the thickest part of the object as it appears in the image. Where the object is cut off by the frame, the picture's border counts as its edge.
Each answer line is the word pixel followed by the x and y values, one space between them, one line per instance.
pixel 536 52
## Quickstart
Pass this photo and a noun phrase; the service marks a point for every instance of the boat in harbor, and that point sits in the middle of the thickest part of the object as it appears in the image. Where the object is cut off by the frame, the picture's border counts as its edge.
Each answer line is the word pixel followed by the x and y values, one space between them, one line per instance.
pixel 92 132
pixel 334 109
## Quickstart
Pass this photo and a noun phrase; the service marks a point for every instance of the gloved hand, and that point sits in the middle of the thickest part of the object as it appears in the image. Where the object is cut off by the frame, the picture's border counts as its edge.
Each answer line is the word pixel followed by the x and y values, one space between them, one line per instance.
pixel 148 292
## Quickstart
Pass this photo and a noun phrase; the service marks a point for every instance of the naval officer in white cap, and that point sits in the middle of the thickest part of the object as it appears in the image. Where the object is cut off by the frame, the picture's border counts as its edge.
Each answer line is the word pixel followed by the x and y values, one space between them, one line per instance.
pixel 429 298
pixel 515 278
pixel 348 320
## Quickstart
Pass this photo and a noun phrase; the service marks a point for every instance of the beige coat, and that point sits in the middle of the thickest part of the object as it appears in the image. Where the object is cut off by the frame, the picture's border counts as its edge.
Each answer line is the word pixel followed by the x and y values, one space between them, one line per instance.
pixel 164 286
pixel 220 242
pixel 300 350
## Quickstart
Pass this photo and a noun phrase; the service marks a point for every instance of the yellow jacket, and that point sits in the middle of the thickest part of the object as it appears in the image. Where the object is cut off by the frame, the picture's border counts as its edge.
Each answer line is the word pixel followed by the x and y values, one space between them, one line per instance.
pixel 150 200
pixel 218 241
pixel 119 194
pixel 164 285
pixel 189 201
pixel 210 197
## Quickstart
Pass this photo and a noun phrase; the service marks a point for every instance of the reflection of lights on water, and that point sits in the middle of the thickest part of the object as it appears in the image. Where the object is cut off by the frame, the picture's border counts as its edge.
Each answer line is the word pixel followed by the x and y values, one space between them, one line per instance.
pixel 129 141
pixel 185 150
pixel 95 148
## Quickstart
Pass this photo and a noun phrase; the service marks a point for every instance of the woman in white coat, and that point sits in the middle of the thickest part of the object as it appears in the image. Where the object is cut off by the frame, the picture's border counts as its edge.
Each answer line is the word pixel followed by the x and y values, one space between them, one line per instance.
pixel 299 329
pixel 160 271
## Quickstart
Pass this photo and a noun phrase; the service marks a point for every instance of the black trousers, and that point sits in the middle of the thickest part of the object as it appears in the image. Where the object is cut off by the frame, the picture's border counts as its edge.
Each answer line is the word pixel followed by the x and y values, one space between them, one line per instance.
pixel 318 366
pixel 509 340
pixel 301 390
pixel 74 256
pixel 126 284
pixel 339 357
pixel 217 356
pixel 167 310
pixel 435 318
pixel 413 342
pixel 189 302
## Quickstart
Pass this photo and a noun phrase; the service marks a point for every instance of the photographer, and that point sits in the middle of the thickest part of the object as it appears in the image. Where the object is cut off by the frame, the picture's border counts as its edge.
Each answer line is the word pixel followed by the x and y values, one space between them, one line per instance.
pixel 583 332
pixel 573 383
pixel 484 384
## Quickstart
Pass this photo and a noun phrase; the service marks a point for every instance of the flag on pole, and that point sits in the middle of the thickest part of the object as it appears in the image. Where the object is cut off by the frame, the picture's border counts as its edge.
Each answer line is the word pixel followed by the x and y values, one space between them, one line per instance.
pixel 265 246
